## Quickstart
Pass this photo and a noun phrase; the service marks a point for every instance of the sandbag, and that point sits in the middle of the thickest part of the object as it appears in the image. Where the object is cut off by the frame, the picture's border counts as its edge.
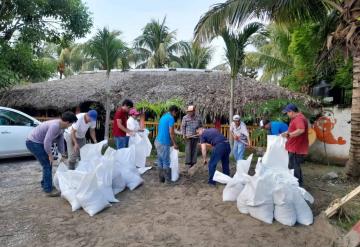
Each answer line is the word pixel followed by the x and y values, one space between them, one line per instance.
pixel 61 168
pixel 142 147
pixel 91 151
pixel 241 205
pixel 284 212
pixel 264 212
pixel 118 184
pixel 90 196
pixel 221 177
pixel 276 157
pixel 242 166
pixel 304 214
pixel 232 190
pixel 174 164
pixel 104 179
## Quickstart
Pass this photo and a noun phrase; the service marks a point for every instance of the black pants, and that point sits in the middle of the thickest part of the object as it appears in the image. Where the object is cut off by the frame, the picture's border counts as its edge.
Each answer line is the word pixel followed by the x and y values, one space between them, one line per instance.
pixel 295 161
pixel 191 151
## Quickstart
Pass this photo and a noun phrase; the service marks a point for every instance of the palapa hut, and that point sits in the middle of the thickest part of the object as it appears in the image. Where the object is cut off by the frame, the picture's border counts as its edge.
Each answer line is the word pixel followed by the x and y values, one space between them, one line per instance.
pixel 208 90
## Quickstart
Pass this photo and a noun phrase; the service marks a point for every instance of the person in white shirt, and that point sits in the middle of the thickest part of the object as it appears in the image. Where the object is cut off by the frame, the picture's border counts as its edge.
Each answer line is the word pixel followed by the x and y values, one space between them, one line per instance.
pixel 132 122
pixel 75 135
pixel 241 137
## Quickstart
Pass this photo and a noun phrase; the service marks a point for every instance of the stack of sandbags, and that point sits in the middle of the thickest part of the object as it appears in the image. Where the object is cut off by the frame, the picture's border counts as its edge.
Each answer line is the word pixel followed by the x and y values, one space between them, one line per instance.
pixel 98 178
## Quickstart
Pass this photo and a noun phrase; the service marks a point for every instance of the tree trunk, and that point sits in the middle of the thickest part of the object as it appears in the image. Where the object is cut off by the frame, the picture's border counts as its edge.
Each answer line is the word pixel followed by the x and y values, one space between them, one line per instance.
pixel 107 106
pixel 353 164
pixel 231 110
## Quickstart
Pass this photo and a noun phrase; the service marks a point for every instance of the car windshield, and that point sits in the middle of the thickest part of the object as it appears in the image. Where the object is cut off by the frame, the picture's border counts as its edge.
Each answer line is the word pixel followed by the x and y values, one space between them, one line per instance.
pixel 14 118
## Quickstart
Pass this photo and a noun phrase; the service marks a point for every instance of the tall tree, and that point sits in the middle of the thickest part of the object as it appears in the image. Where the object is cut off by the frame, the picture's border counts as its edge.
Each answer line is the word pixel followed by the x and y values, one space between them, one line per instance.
pixel 155 45
pixel 347 35
pixel 192 55
pixel 235 54
pixel 107 48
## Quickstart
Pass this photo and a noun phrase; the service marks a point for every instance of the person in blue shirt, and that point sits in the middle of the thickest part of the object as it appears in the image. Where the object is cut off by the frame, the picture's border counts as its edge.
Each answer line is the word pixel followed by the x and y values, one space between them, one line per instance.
pixel 221 150
pixel 164 139
pixel 274 127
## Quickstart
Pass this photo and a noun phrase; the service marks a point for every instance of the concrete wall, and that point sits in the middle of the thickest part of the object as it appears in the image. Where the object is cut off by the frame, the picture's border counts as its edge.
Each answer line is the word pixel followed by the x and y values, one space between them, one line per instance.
pixel 333 129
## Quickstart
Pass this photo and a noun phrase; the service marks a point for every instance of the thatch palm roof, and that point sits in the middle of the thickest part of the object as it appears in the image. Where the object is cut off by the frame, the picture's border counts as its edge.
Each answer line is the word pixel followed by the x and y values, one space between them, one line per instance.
pixel 209 91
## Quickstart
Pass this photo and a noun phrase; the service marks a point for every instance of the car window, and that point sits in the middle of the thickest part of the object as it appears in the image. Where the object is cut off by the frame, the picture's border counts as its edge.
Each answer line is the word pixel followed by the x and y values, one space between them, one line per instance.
pixel 14 119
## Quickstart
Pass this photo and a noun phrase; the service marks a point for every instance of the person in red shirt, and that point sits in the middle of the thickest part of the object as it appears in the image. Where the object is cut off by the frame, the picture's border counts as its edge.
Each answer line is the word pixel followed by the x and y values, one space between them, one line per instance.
pixel 119 125
pixel 297 143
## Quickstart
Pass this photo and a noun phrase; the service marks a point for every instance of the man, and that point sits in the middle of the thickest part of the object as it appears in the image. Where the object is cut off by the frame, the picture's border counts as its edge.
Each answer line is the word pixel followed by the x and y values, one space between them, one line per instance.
pixel 75 135
pixel 39 144
pixel 188 129
pixel 119 125
pixel 163 141
pixel 241 137
pixel 297 144
pixel 221 150
pixel 274 127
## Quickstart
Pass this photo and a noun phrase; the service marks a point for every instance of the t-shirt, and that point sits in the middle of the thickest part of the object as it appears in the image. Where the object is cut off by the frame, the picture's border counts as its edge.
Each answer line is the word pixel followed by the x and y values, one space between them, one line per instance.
pixel 47 133
pixel 123 116
pixel 276 128
pixel 240 130
pixel 298 144
pixel 166 121
pixel 212 136
pixel 80 126
pixel 132 124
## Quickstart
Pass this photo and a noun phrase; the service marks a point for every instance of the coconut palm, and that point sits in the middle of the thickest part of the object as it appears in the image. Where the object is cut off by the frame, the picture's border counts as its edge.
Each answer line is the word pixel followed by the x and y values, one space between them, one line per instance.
pixel 237 12
pixel 235 54
pixel 192 55
pixel 107 48
pixel 155 45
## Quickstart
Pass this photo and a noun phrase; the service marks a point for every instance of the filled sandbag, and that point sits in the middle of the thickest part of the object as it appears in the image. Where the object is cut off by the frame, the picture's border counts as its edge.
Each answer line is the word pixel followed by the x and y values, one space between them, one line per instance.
pixel 174 164
pixel 242 166
pixel 233 189
pixel 142 147
pixel 61 168
pixel 104 179
pixel 91 151
pixel 276 157
pixel 304 214
pixel 221 177
pixel 90 196
pixel 241 205
pixel 263 212
pixel 284 212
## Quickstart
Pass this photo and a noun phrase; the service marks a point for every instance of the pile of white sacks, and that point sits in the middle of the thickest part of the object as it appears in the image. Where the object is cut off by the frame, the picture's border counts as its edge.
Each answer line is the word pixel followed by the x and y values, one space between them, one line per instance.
pixel 98 178
pixel 273 192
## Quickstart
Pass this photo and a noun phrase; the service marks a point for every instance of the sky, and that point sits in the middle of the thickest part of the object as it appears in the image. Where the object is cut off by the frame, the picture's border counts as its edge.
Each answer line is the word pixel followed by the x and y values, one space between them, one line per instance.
pixel 131 16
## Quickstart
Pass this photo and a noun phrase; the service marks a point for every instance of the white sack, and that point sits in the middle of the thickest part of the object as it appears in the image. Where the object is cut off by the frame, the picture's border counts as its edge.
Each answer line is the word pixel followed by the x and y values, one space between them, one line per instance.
pixel 241 205
pixel 284 212
pixel 174 164
pixel 142 147
pixel 304 214
pixel 118 184
pixel 221 177
pixel 232 190
pixel 276 157
pixel 242 166
pixel 61 168
pixel 104 179
pixel 91 151
pixel 264 212
pixel 90 196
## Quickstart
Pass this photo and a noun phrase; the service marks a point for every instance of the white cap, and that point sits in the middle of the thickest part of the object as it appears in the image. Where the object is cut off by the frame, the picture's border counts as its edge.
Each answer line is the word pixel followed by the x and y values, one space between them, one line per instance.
pixel 236 117
pixel 261 123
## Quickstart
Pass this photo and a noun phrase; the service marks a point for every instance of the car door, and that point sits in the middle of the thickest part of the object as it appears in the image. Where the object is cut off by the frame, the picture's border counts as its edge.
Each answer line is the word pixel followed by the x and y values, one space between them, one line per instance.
pixel 14 129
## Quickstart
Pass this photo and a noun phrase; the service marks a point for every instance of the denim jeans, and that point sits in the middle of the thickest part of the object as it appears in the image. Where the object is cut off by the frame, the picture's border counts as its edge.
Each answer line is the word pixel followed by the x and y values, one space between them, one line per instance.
pixel 122 141
pixel 37 149
pixel 238 150
pixel 163 155
pixel 295 161
pixel 221 152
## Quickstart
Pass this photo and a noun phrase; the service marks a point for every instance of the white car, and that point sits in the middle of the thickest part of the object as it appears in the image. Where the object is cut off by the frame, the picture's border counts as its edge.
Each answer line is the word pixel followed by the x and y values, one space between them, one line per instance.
pixel 15 126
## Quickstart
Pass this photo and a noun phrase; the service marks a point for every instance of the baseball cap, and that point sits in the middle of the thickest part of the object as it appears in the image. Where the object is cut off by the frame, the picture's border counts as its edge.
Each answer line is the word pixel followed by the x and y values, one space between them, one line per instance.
pixel 290 107
pixel 236 117
pixel 93 115
pixel 134 112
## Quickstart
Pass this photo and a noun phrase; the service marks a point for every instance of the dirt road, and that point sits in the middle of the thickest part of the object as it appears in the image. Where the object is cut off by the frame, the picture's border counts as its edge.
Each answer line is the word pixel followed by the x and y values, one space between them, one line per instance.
pixel 189 214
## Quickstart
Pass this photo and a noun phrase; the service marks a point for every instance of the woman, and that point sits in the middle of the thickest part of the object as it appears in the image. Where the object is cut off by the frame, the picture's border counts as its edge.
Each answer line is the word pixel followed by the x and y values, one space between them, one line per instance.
pixel 241 137
pixel 132 122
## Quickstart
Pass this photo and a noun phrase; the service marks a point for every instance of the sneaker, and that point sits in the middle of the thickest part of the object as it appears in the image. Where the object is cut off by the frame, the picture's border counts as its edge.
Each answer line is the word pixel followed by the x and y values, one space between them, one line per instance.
pixel 53 193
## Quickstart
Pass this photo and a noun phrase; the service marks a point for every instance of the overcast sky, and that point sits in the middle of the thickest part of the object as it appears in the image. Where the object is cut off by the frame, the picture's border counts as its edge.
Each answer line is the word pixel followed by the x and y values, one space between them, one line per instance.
pixel 131 16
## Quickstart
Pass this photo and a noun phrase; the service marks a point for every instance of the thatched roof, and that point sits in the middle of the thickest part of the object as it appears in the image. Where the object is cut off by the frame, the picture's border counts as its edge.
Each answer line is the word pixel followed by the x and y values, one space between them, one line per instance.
pixel 209 91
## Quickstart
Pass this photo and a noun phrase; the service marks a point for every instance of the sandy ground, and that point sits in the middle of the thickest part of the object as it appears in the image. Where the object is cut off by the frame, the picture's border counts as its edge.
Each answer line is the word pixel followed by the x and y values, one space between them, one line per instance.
pixel 188 214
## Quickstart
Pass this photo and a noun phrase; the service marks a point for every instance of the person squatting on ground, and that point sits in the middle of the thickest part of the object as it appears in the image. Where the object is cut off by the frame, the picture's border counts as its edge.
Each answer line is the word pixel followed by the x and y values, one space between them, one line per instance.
pixel 241 137
pixel 221 150
pixel 75 135
pixel 119 125
pixel 39 144
pixel 297 143
pixel 188 129
pixel 164 139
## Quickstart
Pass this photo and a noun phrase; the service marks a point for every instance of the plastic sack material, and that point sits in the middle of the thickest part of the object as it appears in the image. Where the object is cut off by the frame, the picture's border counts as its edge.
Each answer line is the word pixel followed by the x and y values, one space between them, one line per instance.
pixel 90 196
pixel 243 166
pixel 91 151
pixel 304 214
pixel 221 177
pixel 233 189
pixel 276 157
pixel 142 147
pixel 174 164
pixel 61 168
pixel 241 205
pixel 263 212
pixel 284 212
pixel 125 159
pixel 104 179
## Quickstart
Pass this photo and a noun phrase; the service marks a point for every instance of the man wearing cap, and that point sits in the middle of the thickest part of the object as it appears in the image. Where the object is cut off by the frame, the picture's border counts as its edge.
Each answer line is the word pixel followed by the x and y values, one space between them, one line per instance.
pixel 273 127
pixel 221 150
pixel 75 135
pixel 241 137
pixel 188 129
pixel 297 143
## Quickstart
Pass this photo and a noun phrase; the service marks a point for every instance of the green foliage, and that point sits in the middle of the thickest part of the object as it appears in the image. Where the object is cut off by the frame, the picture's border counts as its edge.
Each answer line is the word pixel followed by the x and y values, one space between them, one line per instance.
pixel 160 107
pixel 343 77
pixel 192 55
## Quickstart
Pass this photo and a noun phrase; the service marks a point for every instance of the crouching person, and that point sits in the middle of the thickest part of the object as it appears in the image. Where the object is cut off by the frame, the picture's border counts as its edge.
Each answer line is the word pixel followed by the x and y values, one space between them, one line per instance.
pixel 163 141
pixel 75 135
pixel 220 150
pixel 39 144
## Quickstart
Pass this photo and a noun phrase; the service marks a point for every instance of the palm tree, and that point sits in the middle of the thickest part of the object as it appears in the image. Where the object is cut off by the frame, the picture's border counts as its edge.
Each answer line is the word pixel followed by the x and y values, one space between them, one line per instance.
pixel 235 54
pixel 155 45
pixel 192 55
pixel 236 12
pixel 107 48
